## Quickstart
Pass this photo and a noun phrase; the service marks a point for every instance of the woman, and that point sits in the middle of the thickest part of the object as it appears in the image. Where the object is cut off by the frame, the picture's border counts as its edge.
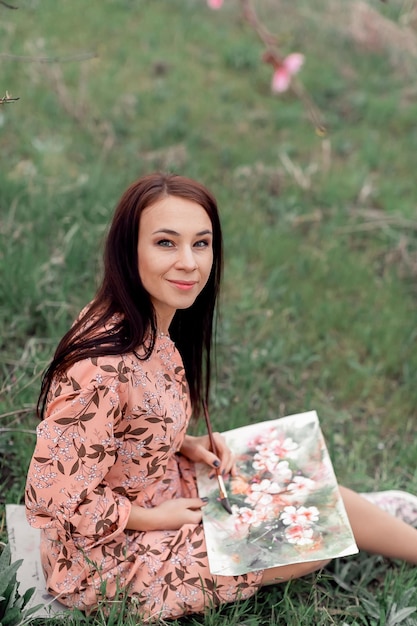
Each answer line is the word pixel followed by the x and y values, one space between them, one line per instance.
pixel 111 483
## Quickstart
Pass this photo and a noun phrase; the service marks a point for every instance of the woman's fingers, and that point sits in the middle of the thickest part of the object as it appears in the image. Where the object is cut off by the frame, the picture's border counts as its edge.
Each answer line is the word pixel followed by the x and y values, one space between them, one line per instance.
pixel 225 455
pixel 198 449
pixel 179 511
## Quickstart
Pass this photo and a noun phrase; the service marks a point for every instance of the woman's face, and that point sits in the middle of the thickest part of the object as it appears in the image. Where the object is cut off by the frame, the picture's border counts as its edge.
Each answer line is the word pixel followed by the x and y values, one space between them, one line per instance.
pixel 175 255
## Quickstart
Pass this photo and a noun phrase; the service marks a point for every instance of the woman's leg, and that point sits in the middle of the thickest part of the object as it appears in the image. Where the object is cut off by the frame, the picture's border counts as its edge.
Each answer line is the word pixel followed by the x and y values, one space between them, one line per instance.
pixel 289 572
pixel 379 532
pixel 374 530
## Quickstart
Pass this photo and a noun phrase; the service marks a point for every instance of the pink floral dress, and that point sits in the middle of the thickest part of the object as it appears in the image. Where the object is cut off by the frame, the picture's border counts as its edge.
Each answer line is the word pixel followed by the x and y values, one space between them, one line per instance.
pixel 110 439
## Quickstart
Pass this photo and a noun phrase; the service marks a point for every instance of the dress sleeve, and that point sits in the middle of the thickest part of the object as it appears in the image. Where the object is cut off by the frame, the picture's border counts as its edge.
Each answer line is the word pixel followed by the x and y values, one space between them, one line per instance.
pixel 75 449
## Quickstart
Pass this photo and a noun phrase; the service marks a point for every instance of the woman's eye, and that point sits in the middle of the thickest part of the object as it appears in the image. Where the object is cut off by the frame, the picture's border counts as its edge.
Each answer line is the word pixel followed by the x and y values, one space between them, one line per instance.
pixel 165 243
pixel 203 243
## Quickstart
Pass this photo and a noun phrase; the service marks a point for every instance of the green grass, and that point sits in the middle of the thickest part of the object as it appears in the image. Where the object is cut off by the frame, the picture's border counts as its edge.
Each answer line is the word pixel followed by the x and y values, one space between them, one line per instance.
pixel 318 309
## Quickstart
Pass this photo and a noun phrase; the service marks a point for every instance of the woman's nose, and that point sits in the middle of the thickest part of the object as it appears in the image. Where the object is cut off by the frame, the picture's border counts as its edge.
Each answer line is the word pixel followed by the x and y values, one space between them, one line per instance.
pixel 186 259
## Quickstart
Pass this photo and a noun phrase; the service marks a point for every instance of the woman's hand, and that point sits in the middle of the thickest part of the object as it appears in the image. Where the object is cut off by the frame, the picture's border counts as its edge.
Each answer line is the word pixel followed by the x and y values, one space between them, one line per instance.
pixel 170 515
pixel 197 449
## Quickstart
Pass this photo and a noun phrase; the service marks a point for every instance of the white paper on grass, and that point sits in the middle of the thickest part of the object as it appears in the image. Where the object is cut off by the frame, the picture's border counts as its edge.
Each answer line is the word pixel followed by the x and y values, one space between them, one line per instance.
pixel 24 544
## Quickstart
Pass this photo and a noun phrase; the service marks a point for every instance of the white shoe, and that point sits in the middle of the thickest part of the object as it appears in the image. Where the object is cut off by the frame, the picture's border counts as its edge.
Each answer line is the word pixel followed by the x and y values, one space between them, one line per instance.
pixel 398 503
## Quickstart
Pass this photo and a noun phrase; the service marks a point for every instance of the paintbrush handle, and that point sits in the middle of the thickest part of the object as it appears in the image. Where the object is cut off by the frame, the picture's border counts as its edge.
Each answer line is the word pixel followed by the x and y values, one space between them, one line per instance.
pixel 210 430
pixel 214 450
pixel 222 489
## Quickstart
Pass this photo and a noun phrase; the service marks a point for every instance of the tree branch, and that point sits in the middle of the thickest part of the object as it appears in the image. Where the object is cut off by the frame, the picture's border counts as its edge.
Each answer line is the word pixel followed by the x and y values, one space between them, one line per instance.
pixel 249 13
pixel 273 56
pixel 7 5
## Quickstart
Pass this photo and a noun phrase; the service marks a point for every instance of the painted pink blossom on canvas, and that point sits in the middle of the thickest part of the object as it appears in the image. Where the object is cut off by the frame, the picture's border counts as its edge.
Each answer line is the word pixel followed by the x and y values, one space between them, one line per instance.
pixel 285 500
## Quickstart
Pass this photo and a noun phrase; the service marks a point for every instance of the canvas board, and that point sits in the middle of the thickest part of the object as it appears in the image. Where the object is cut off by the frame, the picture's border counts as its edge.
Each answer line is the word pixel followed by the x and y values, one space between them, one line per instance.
pixel 286 503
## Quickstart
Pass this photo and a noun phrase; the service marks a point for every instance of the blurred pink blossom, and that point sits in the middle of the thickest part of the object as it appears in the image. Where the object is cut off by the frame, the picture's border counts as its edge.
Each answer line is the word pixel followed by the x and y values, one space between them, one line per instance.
pixel 284 71
pixel 215 4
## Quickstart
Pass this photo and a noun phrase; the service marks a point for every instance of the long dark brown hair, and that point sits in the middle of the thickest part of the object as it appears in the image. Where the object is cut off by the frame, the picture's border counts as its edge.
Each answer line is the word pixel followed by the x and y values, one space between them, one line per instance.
pixel 121 292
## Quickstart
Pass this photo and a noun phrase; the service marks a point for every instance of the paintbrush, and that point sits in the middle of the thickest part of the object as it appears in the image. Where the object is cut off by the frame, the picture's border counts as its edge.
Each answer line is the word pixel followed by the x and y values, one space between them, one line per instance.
pixel 222 489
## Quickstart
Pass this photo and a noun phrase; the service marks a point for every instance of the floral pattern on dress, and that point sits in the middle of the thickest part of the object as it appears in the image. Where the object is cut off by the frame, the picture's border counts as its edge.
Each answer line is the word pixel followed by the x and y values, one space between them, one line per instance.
pixel 111 438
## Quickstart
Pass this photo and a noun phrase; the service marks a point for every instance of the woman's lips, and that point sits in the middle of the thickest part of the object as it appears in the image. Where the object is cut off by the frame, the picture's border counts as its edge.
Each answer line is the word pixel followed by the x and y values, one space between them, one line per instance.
pixel 183 285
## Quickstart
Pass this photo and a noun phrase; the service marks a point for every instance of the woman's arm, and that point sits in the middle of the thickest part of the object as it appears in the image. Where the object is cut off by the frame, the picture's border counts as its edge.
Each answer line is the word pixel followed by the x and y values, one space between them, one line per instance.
pixel 75 449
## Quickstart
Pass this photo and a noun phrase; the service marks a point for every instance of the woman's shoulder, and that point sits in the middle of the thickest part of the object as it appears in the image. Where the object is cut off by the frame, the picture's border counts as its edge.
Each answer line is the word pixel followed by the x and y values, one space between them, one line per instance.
pixel 154 353
pixel 110 370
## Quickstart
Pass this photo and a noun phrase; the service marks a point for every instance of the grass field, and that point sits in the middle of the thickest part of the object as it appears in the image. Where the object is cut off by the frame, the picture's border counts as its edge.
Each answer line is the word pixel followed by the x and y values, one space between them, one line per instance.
pixel 319 303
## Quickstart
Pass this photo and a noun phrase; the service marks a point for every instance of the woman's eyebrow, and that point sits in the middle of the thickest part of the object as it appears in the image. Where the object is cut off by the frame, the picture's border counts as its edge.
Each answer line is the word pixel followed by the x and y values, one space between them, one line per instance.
pixel 168 231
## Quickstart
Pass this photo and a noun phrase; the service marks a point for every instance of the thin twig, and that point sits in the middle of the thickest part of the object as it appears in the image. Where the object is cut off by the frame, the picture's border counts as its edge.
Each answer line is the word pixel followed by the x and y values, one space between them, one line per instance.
pixel 17 430
pixel 7 98
pixel 17 412
pixel 7 5
pixel 82 56
pixel 380 222
pixel 314 113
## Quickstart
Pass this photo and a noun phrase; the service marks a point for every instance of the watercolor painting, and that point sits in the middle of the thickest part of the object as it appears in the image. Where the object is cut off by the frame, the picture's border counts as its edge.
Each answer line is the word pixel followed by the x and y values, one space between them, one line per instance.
pixel 285 501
